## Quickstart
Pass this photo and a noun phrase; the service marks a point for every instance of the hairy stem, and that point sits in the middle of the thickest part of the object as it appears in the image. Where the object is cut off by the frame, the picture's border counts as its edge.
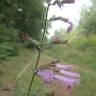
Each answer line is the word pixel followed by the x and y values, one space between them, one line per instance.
pixel 39 52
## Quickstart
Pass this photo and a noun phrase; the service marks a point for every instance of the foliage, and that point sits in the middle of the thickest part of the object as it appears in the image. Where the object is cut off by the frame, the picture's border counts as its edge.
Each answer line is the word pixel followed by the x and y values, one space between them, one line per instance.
pixel 59 33
pixel 27 15
pixel 86 66
pixel 18 17
pixel 70 56
pixel 87 23
pixel 8 40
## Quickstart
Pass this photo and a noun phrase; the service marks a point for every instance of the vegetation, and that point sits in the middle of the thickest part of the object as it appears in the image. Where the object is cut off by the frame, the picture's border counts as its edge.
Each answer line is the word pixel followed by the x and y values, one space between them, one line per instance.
pixel 18 17
pixel 27 16
pixel 88 22
pixel 84 60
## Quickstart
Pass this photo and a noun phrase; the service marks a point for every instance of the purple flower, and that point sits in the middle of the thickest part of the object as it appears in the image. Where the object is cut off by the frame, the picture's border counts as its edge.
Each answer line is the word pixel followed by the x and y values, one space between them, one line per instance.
pixel 68 1
pixel 71 1
pixel 69 29
pixel 61 2
pixel 46 75
pixel 67 81
pixel 63 67
pixel 71 74
pixel 58 2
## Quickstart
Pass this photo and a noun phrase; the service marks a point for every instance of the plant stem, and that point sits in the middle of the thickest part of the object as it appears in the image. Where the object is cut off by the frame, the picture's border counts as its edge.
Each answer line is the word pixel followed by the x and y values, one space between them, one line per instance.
pixel 39 52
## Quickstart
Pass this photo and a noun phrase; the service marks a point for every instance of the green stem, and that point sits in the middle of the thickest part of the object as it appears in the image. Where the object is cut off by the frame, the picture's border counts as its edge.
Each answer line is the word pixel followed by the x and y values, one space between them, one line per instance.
pixel 39 52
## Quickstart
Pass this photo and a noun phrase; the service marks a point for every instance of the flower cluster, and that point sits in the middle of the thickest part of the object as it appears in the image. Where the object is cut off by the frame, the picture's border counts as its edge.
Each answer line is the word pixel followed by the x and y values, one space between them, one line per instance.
pixel 70 27
pixel 54 71
pixel 61 73
pixel 58 40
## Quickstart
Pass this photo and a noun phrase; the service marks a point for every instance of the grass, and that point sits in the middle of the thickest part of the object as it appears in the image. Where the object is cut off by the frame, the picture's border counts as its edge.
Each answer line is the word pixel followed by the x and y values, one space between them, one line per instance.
pixel 13 66
pixel 83 58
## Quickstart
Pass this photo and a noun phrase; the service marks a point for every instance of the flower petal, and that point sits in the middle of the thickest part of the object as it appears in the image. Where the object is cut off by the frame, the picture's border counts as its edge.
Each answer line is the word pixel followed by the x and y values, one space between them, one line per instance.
pixel 67 1
pixel 58 2
pixel 71 74
pixel 67 81
pixel 63 67
pixel 69 29
pixel 46 75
